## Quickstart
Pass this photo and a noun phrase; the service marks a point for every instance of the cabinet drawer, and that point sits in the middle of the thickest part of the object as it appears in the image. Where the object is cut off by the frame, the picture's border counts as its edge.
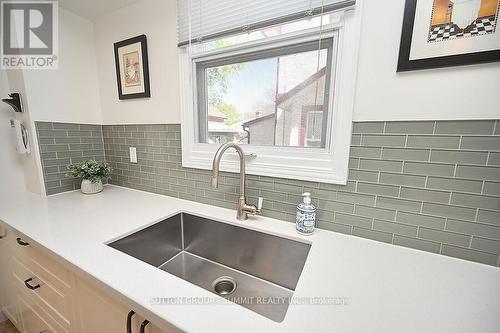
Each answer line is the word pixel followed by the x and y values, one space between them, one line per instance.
pixel 20 245
pixel 35 319
pixel 51 296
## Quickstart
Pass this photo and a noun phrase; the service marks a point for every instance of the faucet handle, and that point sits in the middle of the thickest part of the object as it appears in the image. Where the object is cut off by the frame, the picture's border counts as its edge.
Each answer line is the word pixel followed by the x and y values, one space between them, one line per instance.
pixel 259 205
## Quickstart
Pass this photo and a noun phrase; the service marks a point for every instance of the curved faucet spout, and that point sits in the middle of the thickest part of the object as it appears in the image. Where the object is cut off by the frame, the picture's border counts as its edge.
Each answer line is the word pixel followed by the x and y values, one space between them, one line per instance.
pixel 216 165
pixel 243 208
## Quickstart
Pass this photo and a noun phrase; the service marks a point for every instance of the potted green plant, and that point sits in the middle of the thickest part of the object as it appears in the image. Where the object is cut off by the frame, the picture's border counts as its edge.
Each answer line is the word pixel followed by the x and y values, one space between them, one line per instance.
pixel 92 173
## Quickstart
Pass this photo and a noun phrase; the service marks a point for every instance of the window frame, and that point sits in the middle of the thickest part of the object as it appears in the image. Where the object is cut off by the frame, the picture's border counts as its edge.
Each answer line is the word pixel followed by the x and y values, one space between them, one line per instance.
pixel 202 65
pixel 327 164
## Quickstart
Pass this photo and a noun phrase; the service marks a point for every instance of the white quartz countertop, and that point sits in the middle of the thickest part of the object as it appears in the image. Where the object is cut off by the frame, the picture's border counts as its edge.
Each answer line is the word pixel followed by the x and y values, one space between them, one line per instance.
pixel 385 288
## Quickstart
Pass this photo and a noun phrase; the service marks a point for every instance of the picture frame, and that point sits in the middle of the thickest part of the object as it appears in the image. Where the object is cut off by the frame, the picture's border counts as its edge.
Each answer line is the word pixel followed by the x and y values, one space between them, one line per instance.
pixel 132 69
pixel 478 42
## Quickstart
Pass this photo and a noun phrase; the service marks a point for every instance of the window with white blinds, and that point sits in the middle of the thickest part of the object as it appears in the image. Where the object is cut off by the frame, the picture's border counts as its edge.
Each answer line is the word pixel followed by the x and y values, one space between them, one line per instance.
pixel 201 20
pixel 274 76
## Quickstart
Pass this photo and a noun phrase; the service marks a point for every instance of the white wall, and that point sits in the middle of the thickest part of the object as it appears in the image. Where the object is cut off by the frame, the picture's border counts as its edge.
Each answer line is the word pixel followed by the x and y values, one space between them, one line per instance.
pixel 466 92
pixel 11 168
pixel 70 93
pixel 157 20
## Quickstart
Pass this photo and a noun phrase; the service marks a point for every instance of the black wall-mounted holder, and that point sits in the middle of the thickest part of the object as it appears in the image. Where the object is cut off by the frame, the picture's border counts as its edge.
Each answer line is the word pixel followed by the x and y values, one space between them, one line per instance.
pixel 14 101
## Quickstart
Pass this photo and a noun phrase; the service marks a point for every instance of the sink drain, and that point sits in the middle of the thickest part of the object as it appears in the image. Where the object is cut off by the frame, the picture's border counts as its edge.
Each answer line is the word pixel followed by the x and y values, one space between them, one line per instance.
pixel 224 285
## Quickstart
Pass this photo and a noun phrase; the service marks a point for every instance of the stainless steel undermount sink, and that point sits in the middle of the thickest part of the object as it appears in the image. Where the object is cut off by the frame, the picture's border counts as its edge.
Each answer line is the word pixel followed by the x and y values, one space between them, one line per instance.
pixel 253 269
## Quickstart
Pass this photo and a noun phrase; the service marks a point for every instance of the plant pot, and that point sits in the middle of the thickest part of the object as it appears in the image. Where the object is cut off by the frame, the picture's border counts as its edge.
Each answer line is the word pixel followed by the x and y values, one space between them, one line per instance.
pixel 91 188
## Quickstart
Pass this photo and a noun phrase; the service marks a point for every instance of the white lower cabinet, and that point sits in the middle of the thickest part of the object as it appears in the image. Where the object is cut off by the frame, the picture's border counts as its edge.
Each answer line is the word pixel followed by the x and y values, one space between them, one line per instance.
pixel 8 295
pixel 100 313
pixel 97 312
pixel 39 295
pixel 35 319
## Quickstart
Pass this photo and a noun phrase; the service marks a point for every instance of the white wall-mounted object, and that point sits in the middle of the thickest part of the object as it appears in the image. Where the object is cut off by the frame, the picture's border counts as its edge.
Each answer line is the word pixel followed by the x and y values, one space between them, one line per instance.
pixel 133 154
pixel 15 102
pixel 21 137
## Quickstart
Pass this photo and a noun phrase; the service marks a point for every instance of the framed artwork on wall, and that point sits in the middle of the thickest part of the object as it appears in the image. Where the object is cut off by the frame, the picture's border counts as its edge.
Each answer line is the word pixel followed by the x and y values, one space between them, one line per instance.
pixel 132 71
pixel 442 33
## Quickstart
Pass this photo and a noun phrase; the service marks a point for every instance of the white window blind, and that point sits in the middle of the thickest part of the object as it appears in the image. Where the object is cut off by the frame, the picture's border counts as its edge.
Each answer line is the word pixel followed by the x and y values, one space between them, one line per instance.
pixel 209 19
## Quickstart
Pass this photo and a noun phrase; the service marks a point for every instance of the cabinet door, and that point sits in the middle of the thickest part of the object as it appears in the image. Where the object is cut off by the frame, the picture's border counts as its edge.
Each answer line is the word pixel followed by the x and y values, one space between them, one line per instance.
pixel 99 313
pixel 35 319
pixel 8 293
pixel 154 329
pixel 150 328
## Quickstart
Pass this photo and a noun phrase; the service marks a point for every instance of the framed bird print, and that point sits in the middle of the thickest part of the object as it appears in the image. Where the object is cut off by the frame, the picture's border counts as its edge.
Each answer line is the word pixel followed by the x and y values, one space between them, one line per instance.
pixel 441 33
pixel 132 71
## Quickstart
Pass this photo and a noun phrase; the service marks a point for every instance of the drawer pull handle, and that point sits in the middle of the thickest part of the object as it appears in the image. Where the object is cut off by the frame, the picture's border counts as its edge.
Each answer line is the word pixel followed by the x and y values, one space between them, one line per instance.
pixel 129 321
pixel 29 286
pixel 20 242
pixel 143 325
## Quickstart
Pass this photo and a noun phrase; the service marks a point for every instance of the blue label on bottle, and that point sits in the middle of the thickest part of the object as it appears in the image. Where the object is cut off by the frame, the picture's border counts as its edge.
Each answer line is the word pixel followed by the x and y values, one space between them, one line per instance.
pixel 305 221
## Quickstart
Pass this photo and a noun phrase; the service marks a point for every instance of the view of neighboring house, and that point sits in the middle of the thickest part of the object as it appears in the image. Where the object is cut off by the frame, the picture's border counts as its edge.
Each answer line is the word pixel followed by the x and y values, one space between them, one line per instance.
pixel 218 130
pixel 287 112
pixel 298 118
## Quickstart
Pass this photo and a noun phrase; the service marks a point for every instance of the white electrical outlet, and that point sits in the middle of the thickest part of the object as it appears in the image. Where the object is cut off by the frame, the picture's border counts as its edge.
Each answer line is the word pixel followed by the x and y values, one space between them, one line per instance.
pixel 133 154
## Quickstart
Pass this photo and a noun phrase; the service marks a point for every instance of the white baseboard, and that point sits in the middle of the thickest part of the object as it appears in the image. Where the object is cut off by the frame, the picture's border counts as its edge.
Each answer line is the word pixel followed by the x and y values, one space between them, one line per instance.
pixel 2 317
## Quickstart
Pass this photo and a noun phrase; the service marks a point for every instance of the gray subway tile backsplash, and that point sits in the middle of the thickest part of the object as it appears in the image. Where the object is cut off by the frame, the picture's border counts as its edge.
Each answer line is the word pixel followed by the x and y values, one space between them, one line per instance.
pixel 368 127
pixel 402 179
pixel 375 212
pixel 475 200
pixel 417 243
pixel 383 140
pixel 432 186
pixel 428 169
pixel 395 228
pixel 459 156
pixel 445 237
pixel 474 228
pixel 494 158
pixel 449 211
pixel 380 165
pixel 483 127
pixel 485 244
pixel 406 154
pixel 480 142
pixel 433 141
pixel 409 127
pixel 419 220
pixel 489 216
pixel 62 144
pixel 399 204
pixel 425 195
pixel 380 236
pixel 478 172
pixel 455 184
pixel 469 254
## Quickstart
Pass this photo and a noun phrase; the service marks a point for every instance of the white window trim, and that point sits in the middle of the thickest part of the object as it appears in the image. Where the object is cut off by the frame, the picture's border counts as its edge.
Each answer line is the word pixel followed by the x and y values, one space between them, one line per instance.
pixel 328 165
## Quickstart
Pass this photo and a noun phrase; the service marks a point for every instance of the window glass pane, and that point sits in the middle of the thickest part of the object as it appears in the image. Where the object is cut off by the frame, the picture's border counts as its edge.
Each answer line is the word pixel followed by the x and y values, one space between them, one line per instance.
pixel 271 101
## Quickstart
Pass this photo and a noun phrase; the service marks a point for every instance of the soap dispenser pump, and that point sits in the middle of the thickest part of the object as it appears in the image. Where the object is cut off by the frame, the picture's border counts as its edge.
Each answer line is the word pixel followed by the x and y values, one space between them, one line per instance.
pixel 306 215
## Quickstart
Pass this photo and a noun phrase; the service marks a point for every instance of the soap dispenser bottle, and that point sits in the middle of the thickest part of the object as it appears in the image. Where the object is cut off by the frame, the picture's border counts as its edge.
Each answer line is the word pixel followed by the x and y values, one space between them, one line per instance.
pixel 306 215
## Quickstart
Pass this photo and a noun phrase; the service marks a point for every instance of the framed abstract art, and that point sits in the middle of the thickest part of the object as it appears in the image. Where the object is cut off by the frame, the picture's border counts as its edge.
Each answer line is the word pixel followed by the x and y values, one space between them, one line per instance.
pixel 132 71
pixel 441 33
